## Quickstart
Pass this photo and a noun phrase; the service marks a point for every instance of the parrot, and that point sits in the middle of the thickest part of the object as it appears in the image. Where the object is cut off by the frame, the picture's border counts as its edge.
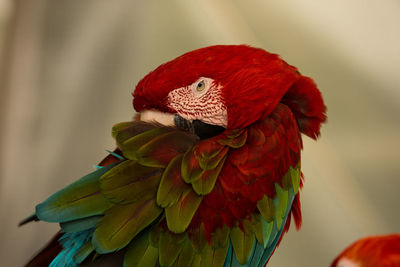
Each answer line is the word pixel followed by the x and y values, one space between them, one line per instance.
pixel 207 173
pixel 383 251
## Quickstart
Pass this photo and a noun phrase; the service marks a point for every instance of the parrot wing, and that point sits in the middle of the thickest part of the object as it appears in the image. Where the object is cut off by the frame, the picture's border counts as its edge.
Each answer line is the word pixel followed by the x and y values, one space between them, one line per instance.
pixel 164 197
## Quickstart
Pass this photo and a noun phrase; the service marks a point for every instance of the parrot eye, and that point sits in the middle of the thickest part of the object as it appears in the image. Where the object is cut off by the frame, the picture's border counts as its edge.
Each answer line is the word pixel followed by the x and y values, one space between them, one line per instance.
pixel 201 86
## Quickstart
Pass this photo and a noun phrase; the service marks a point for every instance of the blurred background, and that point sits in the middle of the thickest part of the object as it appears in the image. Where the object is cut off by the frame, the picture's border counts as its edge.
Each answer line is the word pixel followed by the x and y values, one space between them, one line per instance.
pixel 67 70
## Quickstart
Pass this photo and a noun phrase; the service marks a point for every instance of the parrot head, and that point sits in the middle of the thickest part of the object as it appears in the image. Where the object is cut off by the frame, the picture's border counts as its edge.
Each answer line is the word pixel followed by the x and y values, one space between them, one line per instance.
pixel 224 87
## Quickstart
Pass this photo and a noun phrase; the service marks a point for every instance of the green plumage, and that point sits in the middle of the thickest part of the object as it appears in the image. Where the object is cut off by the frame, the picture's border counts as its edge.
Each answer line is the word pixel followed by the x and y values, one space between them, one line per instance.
pixel 266 208
pixel 205 184
pixel 130 182
pixel 146 203
pixel 125 130
pixel 220 238
pixel 131 145
pixel 81 199
pixel 235 138
pixel 191 170
pixel 170 246
pixel 198 238
pixel 171 185
pixel 162 149
pixel 280 205
pixel 242 242
pixel 140 252
pixel 266 231
pixel 181 213
pixel 122 223
pixel 213 257
pixel 295 175
pixel 210 162
pixel 186 256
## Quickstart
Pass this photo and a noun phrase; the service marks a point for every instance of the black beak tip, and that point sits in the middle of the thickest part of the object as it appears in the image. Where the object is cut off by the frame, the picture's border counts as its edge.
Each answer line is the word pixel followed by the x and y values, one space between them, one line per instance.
pixel 197 127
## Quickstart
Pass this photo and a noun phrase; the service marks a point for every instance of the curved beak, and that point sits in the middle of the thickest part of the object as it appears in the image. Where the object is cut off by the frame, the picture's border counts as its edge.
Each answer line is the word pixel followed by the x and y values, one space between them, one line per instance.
pixel 155 116
pixel 201 129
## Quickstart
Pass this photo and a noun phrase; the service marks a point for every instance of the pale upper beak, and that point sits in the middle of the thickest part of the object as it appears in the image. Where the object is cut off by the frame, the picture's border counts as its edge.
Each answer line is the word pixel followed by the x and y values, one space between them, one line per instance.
pixel 201 129
pixel 163 118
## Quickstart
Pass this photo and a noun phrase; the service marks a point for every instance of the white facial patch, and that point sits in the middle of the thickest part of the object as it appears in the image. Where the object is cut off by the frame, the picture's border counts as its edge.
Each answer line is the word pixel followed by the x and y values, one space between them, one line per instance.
pixel 345 262
pixel 201 100
pixel 166 119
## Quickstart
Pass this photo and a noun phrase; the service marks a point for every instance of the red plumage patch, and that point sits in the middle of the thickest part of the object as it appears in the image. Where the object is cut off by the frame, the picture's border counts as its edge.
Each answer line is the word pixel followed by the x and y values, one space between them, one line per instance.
pixel 383 251
pixel 272 146
pixel 305 100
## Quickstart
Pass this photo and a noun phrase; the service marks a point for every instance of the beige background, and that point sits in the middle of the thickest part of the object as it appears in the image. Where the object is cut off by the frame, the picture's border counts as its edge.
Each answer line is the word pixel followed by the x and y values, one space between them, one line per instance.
pixel 68 68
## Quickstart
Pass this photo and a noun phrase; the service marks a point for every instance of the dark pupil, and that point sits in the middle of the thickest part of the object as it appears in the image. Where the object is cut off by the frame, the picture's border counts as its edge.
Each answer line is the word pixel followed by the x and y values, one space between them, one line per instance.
pixel 200 84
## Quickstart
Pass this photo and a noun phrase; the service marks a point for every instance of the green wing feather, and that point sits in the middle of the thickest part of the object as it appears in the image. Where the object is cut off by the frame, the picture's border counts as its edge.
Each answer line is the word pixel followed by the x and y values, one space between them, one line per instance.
pixel 122 223
pixel 80 224
pixel 162 149
pixel 190 169
pixel 130 182
pixel 186 256
pixel 140 252
pixel 181 213
pixel 130 145
pixel 171 185
pixel 242 242
pixel 206 183
pixel 170 247
pixel 266 208
pixel 213 256
pixel 125 130
pixel 81 199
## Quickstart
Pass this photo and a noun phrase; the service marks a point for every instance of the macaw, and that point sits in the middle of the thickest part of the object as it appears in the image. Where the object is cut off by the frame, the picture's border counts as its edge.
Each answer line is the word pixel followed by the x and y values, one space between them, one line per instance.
pixel 382 251
pixel 207 174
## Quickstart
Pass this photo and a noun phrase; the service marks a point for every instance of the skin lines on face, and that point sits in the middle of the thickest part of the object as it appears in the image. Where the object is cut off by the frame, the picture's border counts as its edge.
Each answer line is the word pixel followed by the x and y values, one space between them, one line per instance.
pixel 202 100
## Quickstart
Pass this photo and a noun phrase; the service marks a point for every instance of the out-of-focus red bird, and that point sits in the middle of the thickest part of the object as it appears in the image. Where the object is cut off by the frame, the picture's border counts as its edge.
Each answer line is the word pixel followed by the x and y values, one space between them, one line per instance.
pixel 376 251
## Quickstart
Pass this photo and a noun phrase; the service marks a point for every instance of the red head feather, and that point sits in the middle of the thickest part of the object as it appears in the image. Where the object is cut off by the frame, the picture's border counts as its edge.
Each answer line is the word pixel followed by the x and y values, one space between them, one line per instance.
pixel 253 81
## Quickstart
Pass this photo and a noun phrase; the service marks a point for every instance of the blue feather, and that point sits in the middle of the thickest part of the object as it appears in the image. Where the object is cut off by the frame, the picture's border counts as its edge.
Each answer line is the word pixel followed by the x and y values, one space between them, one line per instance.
pixel 71 243
pixel 256 255
pixel 115 155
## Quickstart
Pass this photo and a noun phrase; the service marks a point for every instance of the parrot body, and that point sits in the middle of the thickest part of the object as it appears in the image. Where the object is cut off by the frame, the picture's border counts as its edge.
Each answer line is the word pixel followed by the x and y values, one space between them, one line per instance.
pixel 383 251
pixel 207 175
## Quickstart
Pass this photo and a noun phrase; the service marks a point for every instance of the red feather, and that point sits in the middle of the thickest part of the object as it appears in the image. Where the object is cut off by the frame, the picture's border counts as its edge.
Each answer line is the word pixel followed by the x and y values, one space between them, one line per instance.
pixel 273 145
pixel 383 251
pixel 305 100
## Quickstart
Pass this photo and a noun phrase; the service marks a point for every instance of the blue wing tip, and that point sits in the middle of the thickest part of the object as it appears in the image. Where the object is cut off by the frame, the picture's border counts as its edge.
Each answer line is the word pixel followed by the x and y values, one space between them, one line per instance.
pixel 115 154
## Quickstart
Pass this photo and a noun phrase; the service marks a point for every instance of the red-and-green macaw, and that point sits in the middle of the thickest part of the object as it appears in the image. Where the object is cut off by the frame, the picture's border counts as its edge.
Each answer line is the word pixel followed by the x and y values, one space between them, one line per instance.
pixel 208 174
pixel 374 251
